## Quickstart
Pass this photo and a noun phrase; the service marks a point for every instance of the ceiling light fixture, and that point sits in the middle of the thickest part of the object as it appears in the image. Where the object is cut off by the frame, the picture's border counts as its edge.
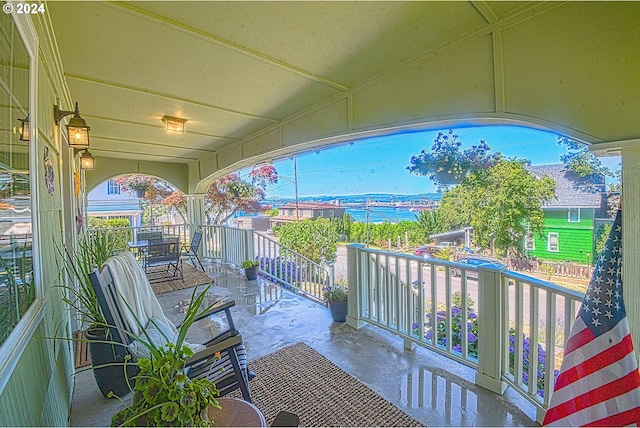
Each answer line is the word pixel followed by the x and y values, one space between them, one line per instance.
pixel 173 125
pixel 77 128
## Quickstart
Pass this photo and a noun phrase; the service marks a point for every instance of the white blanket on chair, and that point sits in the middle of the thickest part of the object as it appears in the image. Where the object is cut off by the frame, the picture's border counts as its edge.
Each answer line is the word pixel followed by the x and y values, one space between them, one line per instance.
pixel 133 287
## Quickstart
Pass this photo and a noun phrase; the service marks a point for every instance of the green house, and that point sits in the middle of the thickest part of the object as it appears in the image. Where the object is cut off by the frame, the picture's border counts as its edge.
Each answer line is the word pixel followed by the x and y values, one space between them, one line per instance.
pixel 570 219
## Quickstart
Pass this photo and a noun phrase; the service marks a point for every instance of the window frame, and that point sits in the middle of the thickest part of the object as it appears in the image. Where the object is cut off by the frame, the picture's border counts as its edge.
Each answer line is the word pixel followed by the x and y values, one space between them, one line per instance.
pixel 577 210
pixel 111 184
pixel 11 350
pixel 556 238
pixel 529 239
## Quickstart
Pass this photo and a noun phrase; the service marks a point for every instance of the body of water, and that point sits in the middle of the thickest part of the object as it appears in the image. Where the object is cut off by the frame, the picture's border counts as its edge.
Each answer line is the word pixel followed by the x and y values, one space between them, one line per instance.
pixel 382 214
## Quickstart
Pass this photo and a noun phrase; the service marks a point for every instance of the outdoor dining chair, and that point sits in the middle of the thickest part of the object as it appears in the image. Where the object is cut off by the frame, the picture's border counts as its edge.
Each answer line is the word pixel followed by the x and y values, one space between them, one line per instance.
pixel 163 253
pixel 191 251
pixel 128 302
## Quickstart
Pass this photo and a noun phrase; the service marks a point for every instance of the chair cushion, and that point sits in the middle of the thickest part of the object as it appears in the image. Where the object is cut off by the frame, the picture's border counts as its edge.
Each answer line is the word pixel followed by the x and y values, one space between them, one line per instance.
pixel 159 334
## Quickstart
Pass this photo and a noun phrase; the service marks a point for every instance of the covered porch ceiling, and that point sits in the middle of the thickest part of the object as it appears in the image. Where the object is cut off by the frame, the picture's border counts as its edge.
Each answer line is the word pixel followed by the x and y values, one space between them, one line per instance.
pixel 258 80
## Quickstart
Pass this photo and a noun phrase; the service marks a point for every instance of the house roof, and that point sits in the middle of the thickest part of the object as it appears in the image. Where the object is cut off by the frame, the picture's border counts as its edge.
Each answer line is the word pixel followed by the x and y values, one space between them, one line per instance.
pixel 572 191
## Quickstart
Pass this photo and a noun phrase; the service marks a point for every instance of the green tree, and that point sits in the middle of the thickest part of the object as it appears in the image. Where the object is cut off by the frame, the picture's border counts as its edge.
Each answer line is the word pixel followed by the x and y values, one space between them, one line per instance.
pixel 428 222
pixel 315 239
pixel 582 162
pixel 445 163
pixel 501 203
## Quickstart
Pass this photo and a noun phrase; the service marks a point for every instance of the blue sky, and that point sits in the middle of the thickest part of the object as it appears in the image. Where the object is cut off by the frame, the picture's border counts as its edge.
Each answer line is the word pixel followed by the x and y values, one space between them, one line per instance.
pixel 378 165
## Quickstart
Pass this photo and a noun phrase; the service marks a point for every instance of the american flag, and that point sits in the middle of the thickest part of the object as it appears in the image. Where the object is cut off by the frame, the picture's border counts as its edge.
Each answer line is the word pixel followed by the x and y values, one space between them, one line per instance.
pixel 599 383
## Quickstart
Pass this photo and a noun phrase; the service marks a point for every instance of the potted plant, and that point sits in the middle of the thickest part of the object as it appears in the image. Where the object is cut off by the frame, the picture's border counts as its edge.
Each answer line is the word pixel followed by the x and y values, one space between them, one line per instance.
pixel 250 269
pixel 163 394
pixel 336 297
pixel 446 164
pixel 107 357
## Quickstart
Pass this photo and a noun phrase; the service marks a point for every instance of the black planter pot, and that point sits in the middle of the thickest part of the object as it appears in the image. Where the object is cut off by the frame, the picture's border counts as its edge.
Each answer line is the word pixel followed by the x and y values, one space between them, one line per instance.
pixel 251 273
pixel 338 311
pixel 107 360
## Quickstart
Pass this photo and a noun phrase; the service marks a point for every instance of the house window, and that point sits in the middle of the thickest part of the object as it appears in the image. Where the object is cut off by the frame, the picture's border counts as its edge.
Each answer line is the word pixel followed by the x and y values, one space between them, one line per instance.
pixel 331 214
pixel 17 289
pixel 320 213
pixel 529 242
pixel 574 215
pixel 552 243
pixel 113 188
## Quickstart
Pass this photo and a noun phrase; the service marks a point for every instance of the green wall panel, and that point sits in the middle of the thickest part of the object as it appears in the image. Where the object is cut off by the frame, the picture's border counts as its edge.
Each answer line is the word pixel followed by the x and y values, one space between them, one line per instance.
pixel 575 239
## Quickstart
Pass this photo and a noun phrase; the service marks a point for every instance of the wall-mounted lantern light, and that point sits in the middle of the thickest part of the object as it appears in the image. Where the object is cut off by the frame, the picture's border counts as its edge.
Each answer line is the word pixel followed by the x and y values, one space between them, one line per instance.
pixel 86 160
pixel 25 133
pixel 77 128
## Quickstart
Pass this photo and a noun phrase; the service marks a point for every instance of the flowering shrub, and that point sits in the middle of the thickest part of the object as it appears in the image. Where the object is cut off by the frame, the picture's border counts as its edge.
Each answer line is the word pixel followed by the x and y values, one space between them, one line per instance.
pixel 282 269
pixel 526 350
pixel 446 159
pixel 470 328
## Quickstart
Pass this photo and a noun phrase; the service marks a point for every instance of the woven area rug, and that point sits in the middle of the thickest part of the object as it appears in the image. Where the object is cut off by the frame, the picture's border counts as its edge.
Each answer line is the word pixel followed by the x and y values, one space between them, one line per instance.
pixel 192 278
pixel 300 380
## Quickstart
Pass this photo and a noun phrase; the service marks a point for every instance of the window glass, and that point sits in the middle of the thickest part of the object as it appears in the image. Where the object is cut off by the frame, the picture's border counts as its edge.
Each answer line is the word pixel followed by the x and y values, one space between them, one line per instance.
pixel 553 242
pixel 16 289
pixel 529 243
pixel 113 188
pixel 574 214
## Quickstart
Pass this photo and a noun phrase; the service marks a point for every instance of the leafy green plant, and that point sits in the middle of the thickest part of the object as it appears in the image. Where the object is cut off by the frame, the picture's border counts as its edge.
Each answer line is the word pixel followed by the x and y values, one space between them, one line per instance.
pixel 90 254
pixel 163 394
pixel 317 239
pixel 247 264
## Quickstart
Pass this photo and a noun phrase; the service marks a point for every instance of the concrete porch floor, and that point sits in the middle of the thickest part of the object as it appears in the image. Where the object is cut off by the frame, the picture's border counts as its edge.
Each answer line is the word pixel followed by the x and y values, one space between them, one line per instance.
pixel 429 387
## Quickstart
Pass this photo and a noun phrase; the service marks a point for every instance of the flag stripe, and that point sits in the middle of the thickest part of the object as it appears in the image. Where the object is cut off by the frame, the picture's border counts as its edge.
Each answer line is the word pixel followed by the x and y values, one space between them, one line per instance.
pixel 603 393
pixel 631 416
pixel 599 413
pixel 623 367
pixel 578 339
pixel 603 359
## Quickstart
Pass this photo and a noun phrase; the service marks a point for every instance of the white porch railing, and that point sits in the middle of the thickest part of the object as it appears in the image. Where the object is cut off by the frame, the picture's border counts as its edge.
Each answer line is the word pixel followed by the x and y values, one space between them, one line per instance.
pixel 482 317
pixel 277 262
pixel 132 234
pixel 291 269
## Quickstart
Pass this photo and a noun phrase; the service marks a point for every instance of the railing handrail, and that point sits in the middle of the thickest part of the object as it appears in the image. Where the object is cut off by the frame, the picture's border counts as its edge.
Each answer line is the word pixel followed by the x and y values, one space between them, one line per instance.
pixel 309 277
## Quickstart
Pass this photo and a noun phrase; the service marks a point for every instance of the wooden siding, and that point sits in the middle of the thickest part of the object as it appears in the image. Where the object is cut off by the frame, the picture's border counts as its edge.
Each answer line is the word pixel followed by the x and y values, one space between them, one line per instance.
pixel 575 239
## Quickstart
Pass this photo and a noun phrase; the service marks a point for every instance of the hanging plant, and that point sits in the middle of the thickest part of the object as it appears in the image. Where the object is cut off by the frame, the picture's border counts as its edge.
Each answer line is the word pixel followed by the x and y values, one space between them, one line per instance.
pixel 445 164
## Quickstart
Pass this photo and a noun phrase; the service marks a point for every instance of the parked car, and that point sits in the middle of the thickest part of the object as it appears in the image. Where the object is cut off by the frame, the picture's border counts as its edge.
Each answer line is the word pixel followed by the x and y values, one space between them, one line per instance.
pixel 425 251
pixel 475 262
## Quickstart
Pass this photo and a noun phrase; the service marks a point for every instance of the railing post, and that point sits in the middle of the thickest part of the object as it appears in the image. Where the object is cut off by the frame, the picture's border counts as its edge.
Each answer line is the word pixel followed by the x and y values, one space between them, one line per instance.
pixel 353 285
pixel 224 238
pixel 490 331
pixel 249 244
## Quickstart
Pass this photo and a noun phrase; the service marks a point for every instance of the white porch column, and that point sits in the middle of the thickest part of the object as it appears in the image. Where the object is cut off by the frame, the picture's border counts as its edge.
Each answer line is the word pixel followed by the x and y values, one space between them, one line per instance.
pixel 196 215
pixel 353 281
pixel 631 239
